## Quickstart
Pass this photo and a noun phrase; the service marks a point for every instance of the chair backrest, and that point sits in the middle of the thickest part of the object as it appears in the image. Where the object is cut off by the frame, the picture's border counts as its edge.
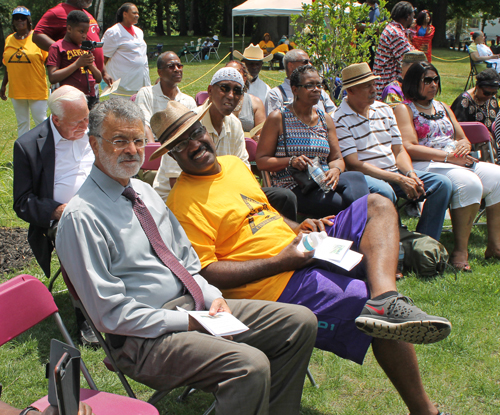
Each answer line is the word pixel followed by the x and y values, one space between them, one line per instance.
pixel 148 150
pixel 476 132
pixel 251 146
pixel 201 97
pixel 24 302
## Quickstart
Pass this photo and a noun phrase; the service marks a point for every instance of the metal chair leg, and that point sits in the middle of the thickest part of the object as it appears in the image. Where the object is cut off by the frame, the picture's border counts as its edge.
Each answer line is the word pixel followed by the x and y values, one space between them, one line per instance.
pixel 53 279
pixel 311 378
pixel 210 409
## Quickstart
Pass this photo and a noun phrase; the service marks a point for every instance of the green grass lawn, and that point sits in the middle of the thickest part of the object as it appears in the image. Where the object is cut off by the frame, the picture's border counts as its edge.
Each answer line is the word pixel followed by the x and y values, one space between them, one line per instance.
pixel 461 373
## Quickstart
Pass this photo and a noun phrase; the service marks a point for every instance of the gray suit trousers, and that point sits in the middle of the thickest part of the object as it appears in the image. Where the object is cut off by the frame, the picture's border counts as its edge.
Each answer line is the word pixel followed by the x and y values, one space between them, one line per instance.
pixel 260 372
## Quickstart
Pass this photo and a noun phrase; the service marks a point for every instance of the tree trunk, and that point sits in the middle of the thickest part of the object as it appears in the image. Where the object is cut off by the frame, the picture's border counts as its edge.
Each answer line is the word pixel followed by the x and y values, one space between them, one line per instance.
pixel 183 25
pixel 159 31
pixel 440 9
pixel 2 41
pixel 227 18
pixel 168 16
pixel 458 32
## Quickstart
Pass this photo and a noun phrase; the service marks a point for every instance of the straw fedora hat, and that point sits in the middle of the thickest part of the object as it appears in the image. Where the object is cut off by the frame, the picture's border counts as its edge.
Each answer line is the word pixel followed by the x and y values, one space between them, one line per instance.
pixel 253 53
pixel 168 125
pixel 355 74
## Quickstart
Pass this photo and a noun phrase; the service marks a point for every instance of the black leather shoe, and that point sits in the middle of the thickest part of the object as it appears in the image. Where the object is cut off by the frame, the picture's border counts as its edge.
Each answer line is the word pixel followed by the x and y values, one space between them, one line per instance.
pixel 87 335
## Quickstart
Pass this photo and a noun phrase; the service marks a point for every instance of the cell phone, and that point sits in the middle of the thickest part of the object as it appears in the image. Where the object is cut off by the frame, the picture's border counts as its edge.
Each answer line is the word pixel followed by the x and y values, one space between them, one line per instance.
pixel 67 381
pixel 57 349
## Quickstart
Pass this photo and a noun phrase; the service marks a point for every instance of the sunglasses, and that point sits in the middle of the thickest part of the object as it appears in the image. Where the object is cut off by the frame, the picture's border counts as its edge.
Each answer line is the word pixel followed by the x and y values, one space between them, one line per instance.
pixel 195 135
pixel 19 17
pixel 304 61
pixel 429 80
pixel 489 93
pixel 174 65
pixel 237 90
pixel 310 87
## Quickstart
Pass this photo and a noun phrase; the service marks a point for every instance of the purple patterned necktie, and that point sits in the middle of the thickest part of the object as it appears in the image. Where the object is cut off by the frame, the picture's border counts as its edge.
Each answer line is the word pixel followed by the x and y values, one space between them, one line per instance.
pixel 151 230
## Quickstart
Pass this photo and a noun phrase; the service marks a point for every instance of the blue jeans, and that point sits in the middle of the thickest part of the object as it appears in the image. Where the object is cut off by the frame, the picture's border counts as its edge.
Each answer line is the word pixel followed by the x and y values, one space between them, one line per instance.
pixel 436 203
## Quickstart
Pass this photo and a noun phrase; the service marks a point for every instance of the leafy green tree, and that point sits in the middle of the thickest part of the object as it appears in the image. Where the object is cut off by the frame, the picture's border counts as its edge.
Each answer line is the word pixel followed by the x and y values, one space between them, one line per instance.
pixel 334 34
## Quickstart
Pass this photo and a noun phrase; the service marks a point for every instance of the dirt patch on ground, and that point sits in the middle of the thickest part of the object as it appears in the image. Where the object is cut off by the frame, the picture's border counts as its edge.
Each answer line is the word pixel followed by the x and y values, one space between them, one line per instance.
pixel 15 251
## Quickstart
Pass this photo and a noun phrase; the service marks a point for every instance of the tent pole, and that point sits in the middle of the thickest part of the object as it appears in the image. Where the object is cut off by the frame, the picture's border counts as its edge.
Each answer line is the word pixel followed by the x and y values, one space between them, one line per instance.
pixel 232 36
pixel 243 40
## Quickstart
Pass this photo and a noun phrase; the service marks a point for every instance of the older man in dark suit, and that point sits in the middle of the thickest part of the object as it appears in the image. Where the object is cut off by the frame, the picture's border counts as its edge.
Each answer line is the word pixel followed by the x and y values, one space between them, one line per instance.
pixel 50 164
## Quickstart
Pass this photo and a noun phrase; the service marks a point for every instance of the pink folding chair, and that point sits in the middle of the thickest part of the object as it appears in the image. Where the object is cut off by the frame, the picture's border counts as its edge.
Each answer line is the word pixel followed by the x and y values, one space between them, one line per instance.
pixel 478 133
pixel 38 304
pixel 148 150
pixel 251 146
pixel 201 97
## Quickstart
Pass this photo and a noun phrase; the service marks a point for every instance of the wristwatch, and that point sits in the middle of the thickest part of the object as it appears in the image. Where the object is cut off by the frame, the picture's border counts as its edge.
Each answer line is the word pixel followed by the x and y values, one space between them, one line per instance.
pixel 28 409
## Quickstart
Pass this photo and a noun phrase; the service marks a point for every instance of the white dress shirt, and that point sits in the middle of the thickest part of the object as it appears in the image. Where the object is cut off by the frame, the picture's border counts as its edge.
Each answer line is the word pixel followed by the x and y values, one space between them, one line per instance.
pixel 258 88
pixel 73 162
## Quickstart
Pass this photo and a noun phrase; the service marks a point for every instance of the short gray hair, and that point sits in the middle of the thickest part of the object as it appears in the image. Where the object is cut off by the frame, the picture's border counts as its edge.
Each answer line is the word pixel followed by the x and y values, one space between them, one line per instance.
pixel 290 56
pixel 65 93
pixel 119 107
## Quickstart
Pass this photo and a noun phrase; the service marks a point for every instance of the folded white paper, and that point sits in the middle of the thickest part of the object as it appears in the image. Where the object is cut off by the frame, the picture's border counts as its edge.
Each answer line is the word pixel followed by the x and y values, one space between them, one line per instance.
pixel 221 324
pixel 330 249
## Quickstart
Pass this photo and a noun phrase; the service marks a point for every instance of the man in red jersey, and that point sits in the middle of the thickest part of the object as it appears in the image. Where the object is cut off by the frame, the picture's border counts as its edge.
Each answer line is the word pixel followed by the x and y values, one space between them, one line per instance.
pixel 52 27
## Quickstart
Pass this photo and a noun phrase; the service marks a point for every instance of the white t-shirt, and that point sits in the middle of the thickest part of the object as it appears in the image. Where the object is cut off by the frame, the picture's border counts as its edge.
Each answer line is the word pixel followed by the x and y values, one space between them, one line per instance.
pixel 128 58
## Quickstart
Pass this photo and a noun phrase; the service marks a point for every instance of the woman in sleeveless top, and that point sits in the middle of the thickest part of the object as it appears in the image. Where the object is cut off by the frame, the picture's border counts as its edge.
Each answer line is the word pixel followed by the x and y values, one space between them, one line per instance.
pixel 310 133
pixel 436 143
pixel 250 110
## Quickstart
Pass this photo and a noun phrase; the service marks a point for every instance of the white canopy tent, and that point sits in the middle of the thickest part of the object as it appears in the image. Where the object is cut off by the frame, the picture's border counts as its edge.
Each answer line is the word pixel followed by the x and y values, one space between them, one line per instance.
pixel 266 8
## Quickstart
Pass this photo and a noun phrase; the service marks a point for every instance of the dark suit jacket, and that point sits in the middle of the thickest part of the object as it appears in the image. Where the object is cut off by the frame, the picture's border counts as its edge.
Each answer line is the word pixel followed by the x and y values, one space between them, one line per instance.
pixel 34 164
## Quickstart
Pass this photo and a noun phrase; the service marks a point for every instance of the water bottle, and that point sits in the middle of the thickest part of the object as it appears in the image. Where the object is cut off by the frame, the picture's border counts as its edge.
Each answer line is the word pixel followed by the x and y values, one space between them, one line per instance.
pixel 318 175
pixel 450 147
pixel 401 257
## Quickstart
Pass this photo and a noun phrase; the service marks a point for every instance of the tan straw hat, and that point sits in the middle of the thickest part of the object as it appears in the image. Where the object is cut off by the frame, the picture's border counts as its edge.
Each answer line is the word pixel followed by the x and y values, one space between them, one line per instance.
pixel 355 74
pixel 168 125
pixel 253 53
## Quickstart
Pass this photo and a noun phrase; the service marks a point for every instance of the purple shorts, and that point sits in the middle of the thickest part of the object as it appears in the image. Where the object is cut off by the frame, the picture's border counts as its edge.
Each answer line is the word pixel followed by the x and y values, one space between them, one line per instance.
pixel 335 296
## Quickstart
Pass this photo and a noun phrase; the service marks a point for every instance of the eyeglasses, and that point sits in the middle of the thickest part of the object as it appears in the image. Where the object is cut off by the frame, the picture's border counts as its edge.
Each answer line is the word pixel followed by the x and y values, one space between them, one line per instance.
pixel 237 90
pixel 303 62
pixel 196 135
pixel 429 80
pixel 489 93
pixel 19 17
pixel 120 144
pixel 310 87
pixel 174 65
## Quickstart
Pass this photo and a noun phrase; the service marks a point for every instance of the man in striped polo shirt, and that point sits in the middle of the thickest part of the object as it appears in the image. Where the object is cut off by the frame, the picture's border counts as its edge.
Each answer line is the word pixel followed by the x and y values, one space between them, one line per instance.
pixel 371 143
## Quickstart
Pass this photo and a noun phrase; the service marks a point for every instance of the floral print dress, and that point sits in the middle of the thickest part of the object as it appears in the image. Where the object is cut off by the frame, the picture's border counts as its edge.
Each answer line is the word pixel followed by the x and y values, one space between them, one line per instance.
pixel 433 133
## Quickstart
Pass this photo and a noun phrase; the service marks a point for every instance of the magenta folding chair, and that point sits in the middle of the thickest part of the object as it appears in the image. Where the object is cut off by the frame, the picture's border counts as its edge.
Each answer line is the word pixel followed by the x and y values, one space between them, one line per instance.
pixel 201 97
pixel 478 133
pixel 38 304
pixel 251 146
pixel 148 150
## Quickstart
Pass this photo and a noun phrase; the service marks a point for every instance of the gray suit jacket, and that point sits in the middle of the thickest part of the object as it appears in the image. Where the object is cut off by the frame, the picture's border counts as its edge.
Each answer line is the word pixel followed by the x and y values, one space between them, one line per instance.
pixel 34 165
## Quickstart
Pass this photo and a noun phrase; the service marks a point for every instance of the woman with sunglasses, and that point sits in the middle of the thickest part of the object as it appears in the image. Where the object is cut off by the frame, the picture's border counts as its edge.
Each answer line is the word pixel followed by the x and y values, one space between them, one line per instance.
pixel 479 103
pixel 24 61
pixel 436 143
pixel 125 51
pixel 309 133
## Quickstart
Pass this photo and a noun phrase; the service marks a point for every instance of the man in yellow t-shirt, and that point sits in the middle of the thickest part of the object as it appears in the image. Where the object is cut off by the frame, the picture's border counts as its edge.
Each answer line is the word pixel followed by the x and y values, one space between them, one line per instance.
pixel 248 251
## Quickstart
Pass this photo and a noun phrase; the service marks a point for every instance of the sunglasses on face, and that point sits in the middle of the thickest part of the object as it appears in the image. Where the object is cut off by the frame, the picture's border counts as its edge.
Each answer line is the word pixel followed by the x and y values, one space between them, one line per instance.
pixel 174 65
pixel 429 80
pixel 489 93
pixel 195 135
pixel 237 90
pixel 19 17
pixel 310 87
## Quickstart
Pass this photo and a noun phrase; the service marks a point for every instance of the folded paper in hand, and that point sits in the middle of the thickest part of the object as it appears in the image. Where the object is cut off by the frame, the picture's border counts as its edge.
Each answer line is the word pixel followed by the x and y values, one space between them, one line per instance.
pixel 221 324
pixel 330 249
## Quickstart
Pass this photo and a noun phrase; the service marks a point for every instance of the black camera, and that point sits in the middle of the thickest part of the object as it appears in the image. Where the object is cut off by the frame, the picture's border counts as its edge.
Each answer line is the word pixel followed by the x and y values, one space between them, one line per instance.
pixel 90 45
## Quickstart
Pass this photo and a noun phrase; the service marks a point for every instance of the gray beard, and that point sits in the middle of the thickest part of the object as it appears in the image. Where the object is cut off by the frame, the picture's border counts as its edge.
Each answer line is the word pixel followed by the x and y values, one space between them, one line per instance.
pixel 116 169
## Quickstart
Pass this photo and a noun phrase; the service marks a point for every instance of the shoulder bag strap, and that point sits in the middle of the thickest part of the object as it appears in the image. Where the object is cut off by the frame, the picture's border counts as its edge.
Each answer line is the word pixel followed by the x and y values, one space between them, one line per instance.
pixel 284 130
pixel 448 115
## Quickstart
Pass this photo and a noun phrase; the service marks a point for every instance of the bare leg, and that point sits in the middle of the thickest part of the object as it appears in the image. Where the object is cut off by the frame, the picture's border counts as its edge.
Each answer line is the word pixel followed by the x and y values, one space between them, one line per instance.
pixel 399 362
pixel 493 219
pixel 380 245
pixel 462 219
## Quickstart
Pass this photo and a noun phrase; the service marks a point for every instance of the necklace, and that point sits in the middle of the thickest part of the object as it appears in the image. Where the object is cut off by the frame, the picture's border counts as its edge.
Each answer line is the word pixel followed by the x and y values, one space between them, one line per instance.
pixel 300 119
pixel 21 37
pixel 237 109
pixel 425 107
